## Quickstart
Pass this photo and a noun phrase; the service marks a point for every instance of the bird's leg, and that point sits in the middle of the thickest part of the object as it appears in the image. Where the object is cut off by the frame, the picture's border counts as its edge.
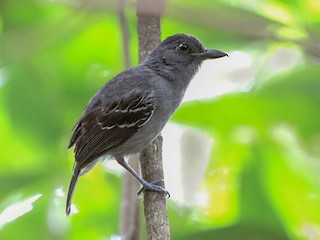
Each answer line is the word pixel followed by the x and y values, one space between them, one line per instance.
pixel 150 186
pixel 146 185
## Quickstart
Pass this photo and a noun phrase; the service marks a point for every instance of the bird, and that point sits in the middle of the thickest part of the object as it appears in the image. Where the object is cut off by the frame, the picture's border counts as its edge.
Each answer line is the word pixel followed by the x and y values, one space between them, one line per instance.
pixel 130 110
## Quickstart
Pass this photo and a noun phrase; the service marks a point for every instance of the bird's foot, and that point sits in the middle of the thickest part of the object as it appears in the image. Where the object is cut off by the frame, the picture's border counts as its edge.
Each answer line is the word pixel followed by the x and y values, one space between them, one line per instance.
pixel 153 187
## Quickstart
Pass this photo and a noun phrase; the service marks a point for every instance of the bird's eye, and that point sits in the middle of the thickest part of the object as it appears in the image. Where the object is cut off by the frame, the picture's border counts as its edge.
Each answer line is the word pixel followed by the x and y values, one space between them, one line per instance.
pixel 184 48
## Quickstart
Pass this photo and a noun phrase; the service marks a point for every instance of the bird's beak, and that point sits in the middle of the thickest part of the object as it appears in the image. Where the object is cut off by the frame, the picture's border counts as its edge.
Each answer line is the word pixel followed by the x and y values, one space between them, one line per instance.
pixel 210 54
pixel 213 53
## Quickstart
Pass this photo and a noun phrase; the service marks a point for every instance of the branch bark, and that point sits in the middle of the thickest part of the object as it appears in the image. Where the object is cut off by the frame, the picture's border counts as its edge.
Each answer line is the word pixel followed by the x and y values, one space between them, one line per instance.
pixel 155 210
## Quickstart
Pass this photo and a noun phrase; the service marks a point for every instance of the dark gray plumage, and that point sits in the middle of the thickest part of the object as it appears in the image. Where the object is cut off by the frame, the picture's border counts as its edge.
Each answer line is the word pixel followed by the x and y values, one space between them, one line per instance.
pixel 130 110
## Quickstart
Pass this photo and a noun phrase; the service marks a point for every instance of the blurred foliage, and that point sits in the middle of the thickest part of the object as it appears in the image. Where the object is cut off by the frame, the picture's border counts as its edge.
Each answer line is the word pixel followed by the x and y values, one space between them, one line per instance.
pixel 262 181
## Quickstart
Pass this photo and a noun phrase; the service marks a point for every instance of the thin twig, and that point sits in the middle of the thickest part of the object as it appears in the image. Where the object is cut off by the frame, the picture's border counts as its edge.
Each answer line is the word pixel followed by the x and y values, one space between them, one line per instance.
pixel 130 205
pixel 125 33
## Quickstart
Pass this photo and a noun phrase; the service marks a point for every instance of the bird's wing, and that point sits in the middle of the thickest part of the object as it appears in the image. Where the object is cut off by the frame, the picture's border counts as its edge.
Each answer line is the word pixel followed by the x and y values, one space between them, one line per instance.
pixel 105 127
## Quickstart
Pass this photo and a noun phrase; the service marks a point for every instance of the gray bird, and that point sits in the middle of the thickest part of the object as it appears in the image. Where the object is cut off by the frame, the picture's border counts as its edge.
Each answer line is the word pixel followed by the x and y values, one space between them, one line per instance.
pixel 131 109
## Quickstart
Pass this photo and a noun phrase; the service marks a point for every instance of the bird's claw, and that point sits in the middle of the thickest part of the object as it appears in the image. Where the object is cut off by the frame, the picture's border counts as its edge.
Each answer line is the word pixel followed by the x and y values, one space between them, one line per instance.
pixel 153 187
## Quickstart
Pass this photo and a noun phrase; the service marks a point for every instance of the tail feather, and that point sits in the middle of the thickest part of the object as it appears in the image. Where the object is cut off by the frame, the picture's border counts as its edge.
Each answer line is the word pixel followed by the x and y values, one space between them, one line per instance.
pixel 73 182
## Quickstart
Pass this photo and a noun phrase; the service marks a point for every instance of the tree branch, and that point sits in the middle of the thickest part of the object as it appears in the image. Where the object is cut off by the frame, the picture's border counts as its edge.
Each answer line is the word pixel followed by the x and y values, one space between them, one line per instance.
pixel 155 211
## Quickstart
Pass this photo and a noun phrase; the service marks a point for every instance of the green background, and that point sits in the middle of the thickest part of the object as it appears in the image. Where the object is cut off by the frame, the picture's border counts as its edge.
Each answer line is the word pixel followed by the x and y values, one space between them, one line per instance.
pixel 56 54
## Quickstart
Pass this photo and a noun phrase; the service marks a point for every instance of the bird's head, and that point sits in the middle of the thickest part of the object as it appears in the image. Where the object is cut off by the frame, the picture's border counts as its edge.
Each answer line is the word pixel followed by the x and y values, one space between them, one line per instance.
pixel 183 50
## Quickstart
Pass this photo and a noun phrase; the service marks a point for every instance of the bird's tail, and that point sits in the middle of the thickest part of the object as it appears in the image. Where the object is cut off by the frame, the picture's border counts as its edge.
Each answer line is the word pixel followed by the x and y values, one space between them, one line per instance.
pixel 73 182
